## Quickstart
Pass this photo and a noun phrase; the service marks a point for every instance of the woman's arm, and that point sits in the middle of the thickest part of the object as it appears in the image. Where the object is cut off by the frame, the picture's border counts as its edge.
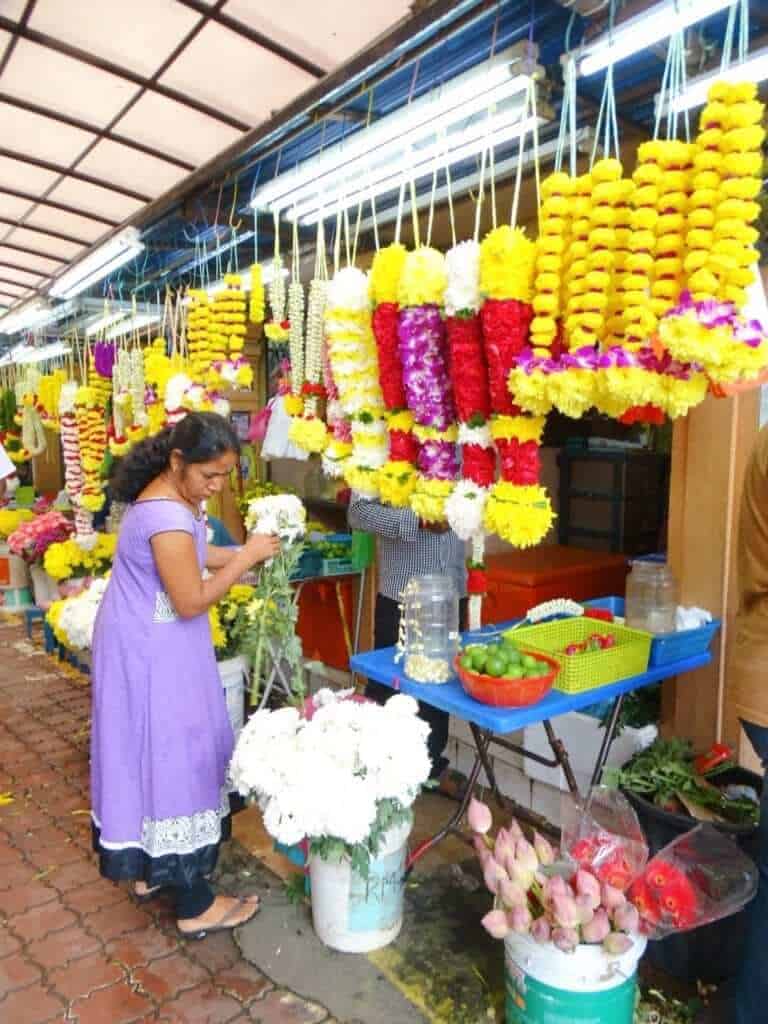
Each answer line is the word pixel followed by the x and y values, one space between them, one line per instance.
pixel 176 559
pixel 217 557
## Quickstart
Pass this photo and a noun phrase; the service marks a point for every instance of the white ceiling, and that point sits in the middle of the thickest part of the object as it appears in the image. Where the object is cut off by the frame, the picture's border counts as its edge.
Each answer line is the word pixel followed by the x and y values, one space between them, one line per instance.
pixel 106 104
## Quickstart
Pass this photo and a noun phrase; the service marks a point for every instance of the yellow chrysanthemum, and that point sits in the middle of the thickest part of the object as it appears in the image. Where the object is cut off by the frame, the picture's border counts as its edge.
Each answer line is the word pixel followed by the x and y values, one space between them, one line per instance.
pixel 311 435
pixel 429 498
pixel 522 516
pixel 520 428
pixel 423 278
pixel 507 262
pixel 386 271
pixel 397 481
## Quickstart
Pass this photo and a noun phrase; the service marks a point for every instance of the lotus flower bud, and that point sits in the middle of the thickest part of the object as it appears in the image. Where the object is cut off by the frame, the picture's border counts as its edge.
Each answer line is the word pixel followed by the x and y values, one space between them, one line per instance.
pixel 515 832
pixel 496 924
pixel 512 894
pixel 540 930
pixel 526 855
pixel 611 897
pixel 565 939
pixel 565 911
pixel 555 886
pixel 504 847
pixel 599 927
pixel 520 920
pixel 523 876
pixel 588 885
pixel 584 903
pixel 493 875
pixel 617 943
pixel 626 918
pixel 479 816
pixel 543 849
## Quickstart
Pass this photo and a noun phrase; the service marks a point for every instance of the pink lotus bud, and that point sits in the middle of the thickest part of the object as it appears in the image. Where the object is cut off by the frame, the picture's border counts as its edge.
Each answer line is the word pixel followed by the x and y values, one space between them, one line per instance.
pixel 626 918
pixel 515 832
pixel 504 847
pixel 555 886
pixel 585 907
pixel 526 855
pixel 543 849
pixel 520 920
pixel 496 924
pixel 523 876
pixel 540 930
pixel 479 816
pixel 588 885
pixel 598 928
pixel 565 939
pixel 565 911
pixel 617 943
pixel 512 894
pixel 493 874
pixel 611 897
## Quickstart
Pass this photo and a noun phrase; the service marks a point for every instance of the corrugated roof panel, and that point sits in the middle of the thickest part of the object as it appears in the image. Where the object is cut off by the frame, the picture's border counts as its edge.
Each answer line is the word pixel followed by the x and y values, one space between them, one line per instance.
pixel 93 199
pixel 41 137
pixel 114 163
pixel 182 132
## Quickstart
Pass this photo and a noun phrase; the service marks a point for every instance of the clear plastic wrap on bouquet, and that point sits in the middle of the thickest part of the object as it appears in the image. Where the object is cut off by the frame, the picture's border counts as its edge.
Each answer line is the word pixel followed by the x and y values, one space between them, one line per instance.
pixel 698 878
pixel 603 835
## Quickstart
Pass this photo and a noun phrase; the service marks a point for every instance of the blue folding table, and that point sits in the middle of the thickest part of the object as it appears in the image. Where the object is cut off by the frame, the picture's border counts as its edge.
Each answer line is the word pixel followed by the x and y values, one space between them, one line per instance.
pixel 489 725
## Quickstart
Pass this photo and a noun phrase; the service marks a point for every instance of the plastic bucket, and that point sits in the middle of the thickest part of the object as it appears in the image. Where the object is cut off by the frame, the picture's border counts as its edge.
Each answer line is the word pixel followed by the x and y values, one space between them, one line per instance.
pixel 588 986
pixel 714 952
pixel 233 674
pixel 44 587
pixel 353 914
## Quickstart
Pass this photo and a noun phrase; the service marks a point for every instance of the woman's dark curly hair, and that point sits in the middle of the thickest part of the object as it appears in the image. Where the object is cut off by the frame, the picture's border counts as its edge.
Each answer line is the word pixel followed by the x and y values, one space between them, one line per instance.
pixel 200 437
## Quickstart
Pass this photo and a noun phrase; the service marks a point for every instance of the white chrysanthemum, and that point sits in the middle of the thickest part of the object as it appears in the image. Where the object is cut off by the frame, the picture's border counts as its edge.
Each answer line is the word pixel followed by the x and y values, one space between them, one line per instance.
pixel 78 615
pixel 67 397
pixel 348 289
pixel 175 390
pixel 282 515
pixel 475 435
pixel 402 704
pixel 464 509
pixel 463 290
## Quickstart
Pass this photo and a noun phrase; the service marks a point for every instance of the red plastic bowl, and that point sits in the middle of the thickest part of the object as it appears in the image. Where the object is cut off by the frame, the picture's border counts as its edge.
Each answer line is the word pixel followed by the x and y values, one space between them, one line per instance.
pixel 508 693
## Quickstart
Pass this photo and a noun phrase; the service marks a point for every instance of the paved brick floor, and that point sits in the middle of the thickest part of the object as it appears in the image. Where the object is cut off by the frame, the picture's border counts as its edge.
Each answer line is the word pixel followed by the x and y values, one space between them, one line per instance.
pixel 73 946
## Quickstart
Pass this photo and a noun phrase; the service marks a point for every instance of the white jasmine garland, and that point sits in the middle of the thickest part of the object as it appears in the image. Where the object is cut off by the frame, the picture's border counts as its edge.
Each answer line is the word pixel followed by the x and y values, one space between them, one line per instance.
pixel 318 293
pixel 464 509
pixel 462 264
pixel 276 291
pixel 296 334
pixel 475 435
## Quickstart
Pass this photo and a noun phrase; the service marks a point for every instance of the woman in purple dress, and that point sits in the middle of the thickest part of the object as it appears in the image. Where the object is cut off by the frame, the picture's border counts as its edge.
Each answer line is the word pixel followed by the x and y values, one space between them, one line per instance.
pixel 161 738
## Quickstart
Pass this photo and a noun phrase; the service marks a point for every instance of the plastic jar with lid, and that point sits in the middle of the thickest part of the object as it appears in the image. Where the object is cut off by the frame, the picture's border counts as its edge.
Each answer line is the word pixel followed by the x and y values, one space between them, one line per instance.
pixel 429 628
pixel 651 598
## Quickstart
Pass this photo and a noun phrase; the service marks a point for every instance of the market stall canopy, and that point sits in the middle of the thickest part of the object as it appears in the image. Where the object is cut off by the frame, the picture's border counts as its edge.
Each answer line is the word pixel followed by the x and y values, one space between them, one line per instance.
pixel 105 105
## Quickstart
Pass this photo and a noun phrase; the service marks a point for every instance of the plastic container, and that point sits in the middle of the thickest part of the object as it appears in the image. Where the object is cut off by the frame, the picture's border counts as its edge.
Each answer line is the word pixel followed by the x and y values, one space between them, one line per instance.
pixel 233 673
pixel 714 952
pixel 429 627
pixel 591 669
pixel 546 986
pixel 507 693
pixel 353 914
pixel 651 601
pixel 686 643
pixel 44 587
pixel 310 564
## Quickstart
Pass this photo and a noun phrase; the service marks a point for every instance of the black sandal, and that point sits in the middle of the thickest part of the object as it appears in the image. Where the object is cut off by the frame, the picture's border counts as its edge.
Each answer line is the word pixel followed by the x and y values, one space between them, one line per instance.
pixel 226 923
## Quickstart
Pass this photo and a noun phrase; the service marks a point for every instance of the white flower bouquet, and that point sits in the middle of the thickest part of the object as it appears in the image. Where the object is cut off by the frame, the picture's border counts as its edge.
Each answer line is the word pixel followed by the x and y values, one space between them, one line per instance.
pixel 272 612
pixel 72 619
pixel 341 778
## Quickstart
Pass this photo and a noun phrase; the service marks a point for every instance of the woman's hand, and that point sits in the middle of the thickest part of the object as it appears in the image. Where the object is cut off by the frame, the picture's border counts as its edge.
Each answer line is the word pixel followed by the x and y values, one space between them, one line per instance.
pixel 261 546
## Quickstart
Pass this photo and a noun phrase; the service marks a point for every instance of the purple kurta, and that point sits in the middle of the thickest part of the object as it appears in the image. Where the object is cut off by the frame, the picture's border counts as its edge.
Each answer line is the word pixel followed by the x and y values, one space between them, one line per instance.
pixel 161 740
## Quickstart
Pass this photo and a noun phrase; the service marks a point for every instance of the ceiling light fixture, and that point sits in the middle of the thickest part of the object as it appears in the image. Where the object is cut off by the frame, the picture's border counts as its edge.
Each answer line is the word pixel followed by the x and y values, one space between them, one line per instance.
pixel 753 69
pixel 433 124
pixel 108 320
pixel 94 267
pixel 135 323
pixel 652 26
pixel 32 314
pixel 30 354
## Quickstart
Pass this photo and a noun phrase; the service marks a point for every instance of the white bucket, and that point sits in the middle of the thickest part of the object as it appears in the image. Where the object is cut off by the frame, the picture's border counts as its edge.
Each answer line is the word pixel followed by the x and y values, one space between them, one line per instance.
pixel 234 674
pixel 44 587
pixel 547 986
pixel 356 915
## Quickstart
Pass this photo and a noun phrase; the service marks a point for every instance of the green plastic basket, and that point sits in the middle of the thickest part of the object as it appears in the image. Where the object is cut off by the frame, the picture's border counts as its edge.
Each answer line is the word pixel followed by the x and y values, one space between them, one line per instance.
pixel 591 669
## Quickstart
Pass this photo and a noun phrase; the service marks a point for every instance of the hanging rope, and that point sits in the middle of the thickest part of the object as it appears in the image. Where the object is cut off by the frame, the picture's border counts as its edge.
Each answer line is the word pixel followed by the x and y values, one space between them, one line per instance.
pixel 520 154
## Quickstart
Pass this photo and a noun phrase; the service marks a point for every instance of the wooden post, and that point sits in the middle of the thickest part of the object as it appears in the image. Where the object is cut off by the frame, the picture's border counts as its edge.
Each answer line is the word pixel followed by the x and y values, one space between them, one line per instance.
pixel 709 455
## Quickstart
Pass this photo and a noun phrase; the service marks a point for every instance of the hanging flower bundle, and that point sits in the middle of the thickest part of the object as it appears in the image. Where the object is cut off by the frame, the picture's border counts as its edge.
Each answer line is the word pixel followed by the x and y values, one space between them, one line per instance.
pixel 423 355
pixel 48 394
pixel 339 444
pixel 397 477
pixel 307 430
pixel 226 338
pixel 256 310
pixel 276 331
pixel 198 329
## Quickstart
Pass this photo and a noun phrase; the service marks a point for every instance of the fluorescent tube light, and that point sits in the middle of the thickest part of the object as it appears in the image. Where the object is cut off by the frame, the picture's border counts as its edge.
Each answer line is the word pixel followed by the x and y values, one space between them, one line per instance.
pixel 652 26
pixel 753 69
pixel 32 314
pixel 29 354
pixel 115 253
pixel 390 139
pixel 135 323
pixel 461 185
pixel 492 131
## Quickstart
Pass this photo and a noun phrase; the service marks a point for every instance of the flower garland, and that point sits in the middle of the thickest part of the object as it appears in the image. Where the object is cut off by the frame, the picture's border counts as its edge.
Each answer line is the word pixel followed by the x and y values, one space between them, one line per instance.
pixel 227 328
pixel 256 303
pixel 354 361
pixel 48 394
pixel 339 445
pixel 578 331
pixel 276 331
pixel 554 237
pixel 309 432
pixel 397 477
pixel 423 355
pixel 198 329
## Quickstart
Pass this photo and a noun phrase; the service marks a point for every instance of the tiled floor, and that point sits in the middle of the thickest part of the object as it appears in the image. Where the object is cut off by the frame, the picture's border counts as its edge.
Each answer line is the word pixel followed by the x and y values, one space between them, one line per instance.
pixel 74 947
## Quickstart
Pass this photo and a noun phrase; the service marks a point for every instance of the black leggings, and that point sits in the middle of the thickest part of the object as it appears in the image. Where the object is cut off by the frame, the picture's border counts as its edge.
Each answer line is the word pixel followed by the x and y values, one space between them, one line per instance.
pixel 193 900
pixel 385 631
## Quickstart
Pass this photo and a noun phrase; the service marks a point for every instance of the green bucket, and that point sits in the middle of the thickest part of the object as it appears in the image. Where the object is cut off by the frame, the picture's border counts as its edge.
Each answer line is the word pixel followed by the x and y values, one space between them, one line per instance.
pixel 545 986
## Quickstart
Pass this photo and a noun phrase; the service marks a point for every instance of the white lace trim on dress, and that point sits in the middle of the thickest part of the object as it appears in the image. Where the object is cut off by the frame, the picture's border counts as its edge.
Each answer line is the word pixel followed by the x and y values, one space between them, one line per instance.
pixel 163 837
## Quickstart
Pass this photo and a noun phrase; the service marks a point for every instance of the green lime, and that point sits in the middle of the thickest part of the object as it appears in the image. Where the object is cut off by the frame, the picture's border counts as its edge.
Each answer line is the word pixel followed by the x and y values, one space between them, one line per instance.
pixel 466 662
pixel 528 661
pixel 512 653
pixel 478 659
pixel 514 671
pixel 494 667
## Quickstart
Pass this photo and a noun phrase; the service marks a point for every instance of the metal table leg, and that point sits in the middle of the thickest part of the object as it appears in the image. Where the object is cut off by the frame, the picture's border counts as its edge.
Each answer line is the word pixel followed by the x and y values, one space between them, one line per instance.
pixel 608 738
pixel 358 618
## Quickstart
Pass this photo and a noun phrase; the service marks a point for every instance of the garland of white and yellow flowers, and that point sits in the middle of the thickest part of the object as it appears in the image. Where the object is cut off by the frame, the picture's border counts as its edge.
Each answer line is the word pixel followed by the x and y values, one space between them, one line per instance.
pixel 129 418
pixel 308 431
pixel 256 311
pixel 33 437
pixel 276 330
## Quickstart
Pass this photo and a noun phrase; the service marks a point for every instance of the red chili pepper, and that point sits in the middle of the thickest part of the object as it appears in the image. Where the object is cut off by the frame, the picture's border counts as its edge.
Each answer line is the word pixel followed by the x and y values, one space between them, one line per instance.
pixel 717 754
